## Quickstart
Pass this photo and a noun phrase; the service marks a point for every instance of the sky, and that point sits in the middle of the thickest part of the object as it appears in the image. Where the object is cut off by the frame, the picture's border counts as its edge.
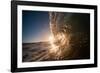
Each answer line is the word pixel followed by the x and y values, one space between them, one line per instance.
pixel 35 26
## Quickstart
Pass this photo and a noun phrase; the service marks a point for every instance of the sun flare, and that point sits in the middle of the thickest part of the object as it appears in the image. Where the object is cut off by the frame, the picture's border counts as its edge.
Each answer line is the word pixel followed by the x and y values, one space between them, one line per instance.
pixel 58 42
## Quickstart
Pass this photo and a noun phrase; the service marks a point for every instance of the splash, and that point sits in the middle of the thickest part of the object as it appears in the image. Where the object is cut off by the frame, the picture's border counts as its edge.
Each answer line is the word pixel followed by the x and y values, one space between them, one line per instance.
pixel 59 38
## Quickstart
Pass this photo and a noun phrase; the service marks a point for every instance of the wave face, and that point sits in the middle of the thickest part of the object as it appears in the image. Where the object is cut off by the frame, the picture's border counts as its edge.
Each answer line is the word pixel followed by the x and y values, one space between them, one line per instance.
pixel 67 31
